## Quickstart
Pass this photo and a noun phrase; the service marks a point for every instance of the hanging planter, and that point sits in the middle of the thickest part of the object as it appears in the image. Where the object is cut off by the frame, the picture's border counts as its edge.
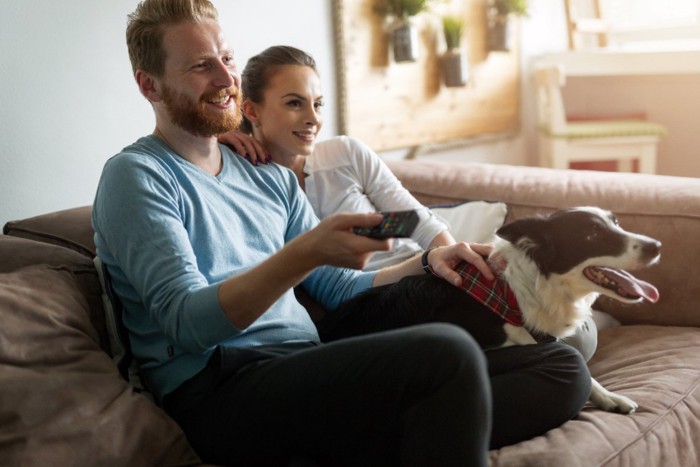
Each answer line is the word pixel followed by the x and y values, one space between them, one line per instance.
pixel 403 34
pixel 454 62
pixel 404 41
pixel 500 16
pixel 499 37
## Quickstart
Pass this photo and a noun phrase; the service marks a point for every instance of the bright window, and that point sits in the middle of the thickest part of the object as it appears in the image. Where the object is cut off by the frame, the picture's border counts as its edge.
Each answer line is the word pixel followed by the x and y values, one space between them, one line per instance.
pixel 648 20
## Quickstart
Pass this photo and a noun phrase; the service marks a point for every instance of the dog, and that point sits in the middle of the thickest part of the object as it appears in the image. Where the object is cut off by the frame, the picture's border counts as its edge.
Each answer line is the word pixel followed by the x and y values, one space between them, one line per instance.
pixel 550 271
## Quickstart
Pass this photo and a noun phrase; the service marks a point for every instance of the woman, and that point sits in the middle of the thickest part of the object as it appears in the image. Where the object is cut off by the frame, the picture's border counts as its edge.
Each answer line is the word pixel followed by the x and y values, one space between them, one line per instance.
pixel 282 110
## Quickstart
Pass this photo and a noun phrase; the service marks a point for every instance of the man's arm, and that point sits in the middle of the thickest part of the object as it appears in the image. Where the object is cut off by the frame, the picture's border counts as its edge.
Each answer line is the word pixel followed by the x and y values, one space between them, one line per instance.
pixel 246 296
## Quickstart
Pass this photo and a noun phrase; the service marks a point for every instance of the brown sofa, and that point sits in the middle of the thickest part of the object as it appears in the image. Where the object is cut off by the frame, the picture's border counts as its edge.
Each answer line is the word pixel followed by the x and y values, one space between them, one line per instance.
pixel 62 401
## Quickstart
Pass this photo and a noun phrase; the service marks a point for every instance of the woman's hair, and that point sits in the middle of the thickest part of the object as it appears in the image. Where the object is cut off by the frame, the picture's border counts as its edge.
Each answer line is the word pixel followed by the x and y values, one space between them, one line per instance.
pixel 259 71
pixel 146 26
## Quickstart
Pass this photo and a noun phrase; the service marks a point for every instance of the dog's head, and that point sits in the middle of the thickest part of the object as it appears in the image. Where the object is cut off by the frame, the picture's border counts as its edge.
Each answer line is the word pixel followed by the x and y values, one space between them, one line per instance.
pixel 588 246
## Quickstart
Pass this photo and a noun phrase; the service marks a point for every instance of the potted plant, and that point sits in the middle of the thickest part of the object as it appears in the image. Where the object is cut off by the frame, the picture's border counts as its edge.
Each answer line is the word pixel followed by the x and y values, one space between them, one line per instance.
pixel 402 32
pixel 454 61
pixel 499 16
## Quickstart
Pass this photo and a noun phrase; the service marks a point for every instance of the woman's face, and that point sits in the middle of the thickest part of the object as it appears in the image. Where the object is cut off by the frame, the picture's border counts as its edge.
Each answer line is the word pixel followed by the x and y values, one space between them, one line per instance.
pixel 288 119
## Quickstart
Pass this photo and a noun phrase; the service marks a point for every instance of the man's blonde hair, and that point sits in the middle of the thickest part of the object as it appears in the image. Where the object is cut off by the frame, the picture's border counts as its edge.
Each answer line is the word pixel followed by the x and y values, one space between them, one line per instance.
pixel 146 25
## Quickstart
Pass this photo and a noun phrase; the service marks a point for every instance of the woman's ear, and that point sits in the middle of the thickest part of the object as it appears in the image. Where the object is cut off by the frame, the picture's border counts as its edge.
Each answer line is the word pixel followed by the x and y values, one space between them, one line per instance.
pixel 250 111
pixel 147 85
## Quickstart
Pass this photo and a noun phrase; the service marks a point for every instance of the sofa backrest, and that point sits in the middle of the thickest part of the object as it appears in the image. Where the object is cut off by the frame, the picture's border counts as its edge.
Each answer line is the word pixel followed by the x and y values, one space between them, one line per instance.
pixel 70 228
pixel 663 207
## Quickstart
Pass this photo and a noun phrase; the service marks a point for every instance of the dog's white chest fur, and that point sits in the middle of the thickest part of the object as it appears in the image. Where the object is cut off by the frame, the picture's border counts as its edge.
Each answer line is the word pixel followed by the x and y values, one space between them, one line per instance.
pixel 553 305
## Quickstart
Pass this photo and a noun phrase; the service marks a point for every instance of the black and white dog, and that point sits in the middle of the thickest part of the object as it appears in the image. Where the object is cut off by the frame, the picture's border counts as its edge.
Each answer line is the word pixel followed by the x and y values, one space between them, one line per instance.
pixel 551 269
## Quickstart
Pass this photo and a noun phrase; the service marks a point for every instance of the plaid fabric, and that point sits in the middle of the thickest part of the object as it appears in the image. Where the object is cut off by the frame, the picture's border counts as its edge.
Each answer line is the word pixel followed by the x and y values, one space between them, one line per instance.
pixel 496 294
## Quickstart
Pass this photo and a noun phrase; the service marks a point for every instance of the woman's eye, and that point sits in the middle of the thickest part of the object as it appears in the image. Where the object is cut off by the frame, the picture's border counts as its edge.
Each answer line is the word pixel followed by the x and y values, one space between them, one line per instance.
pixel 318 104
pixel 294 104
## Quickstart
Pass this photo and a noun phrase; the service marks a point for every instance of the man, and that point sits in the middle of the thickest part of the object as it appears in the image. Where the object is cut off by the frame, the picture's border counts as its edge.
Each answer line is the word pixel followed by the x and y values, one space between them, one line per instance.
pixel 203 249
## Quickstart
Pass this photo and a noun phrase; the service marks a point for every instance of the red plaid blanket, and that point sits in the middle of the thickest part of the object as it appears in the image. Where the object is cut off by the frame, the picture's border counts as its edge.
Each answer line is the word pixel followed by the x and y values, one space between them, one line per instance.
pixel 496 294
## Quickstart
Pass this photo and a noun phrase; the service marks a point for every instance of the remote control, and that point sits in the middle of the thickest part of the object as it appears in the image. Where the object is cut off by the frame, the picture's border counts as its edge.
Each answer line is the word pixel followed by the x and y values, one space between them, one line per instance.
pixel 393 224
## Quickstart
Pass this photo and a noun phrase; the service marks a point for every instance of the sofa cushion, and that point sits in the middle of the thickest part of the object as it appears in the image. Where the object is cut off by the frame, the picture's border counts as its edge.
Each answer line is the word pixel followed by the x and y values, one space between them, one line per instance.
pixel 16 253
pixel 473 221
pixel 62 401
pixel 70 228
pixel 659 368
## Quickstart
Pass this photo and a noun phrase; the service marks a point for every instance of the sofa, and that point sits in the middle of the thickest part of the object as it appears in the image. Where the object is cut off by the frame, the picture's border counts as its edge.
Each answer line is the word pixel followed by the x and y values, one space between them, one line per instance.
pixel 63 401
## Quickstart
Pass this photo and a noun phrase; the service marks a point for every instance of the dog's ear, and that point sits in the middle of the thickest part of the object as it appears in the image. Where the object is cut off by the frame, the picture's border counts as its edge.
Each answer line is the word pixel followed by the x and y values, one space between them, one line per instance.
pixel 528 227
pixel 533 237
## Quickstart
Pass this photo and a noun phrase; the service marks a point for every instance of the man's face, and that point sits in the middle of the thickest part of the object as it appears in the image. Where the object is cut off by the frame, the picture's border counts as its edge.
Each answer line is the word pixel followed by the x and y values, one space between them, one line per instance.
pixel 200 87
pixel 193 117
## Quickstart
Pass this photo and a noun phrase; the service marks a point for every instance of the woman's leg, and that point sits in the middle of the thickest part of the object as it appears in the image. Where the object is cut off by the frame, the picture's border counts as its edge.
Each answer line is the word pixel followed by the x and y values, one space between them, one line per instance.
pixel 535 388
pixel 585 339
pixel 415 396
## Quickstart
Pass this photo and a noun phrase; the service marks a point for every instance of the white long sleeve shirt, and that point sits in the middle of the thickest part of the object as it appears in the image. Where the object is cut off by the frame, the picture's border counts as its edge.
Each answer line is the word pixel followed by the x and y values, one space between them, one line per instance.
pixel 345 175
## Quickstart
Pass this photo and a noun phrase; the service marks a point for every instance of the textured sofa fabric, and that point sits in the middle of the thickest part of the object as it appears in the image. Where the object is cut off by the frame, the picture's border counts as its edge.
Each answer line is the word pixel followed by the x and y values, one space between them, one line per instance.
pixel 62 401
pixel 54 349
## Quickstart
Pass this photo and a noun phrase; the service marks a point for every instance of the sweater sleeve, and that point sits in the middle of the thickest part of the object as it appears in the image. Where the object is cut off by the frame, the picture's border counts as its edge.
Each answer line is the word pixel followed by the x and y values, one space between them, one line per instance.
pixel 141 236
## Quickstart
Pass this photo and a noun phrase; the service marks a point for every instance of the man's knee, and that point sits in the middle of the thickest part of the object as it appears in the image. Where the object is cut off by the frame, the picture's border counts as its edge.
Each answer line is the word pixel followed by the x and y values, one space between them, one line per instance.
pixel 446 347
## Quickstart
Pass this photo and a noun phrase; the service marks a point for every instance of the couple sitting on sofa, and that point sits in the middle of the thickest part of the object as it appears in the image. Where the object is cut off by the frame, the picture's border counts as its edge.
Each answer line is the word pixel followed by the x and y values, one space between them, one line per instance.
pixel 204 248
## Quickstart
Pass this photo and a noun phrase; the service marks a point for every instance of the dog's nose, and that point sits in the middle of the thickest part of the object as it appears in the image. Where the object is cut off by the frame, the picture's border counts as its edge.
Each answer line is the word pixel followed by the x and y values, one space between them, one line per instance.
pixel 651 248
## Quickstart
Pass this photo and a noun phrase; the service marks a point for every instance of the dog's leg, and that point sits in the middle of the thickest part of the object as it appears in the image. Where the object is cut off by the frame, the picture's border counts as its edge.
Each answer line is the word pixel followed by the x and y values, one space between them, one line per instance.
pixel 610 401
pixel 517 336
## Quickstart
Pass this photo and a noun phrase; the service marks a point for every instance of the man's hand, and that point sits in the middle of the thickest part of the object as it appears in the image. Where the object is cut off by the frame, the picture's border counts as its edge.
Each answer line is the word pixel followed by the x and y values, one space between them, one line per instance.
pixel 333 242
pixel 246 146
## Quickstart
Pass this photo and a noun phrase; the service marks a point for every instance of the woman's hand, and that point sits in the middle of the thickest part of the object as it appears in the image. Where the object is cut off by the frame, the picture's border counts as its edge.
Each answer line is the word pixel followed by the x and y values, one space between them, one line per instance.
pixel 246 146
pixel 443 260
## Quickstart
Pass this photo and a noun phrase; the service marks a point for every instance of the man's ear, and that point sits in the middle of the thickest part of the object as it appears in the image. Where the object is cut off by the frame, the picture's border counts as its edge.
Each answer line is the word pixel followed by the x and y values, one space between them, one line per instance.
pixel 148 85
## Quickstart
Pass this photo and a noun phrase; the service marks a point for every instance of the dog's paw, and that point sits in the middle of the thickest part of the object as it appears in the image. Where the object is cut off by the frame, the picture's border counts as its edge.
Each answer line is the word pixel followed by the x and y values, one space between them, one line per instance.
pixel 610 401
pixel 620 404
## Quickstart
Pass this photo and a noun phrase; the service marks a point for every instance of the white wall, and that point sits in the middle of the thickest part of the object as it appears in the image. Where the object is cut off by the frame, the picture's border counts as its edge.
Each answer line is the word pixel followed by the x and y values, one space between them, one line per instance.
pixel 68 100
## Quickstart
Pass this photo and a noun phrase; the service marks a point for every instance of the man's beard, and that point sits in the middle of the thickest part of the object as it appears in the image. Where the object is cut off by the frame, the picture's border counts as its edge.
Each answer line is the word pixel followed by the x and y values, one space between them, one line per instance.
pixel 194 118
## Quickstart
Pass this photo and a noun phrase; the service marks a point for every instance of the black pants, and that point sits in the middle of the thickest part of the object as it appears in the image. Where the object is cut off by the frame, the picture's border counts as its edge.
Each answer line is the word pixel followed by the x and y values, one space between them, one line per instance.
pixel 534 387
pixel 413 396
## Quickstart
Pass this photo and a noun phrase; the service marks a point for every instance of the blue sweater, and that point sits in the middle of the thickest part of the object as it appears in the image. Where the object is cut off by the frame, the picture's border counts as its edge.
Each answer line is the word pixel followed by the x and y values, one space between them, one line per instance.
pixel 169 233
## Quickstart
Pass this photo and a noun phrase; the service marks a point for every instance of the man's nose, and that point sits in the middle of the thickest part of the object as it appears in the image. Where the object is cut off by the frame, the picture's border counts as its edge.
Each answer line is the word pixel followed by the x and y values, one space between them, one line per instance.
pixel 227 76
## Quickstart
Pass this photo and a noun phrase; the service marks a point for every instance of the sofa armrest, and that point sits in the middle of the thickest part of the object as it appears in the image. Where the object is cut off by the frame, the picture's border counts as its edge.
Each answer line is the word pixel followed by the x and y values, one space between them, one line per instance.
pixel 666 208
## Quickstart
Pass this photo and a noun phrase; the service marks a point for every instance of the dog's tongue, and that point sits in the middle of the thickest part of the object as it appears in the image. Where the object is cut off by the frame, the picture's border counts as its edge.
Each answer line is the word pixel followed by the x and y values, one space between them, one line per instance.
pixel 632 285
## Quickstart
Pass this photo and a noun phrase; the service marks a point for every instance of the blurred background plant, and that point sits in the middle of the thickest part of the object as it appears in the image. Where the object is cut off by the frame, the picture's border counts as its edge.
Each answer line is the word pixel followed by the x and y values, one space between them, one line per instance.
pixel 452 27
pixel 404 9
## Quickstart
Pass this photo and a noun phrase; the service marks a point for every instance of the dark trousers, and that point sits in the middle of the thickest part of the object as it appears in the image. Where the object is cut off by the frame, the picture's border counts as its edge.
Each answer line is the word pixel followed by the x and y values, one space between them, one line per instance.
pixel 413 396
pixel 534 387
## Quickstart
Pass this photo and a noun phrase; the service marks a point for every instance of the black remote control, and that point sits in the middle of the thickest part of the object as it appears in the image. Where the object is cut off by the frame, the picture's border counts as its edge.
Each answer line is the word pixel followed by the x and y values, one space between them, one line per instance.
pixel 393 224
